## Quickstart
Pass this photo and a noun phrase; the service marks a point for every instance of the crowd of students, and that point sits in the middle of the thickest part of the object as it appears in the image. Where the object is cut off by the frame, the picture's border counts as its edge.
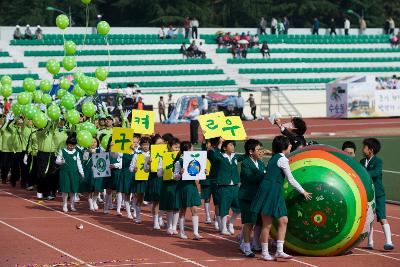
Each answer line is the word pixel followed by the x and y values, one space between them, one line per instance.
pixel 51 160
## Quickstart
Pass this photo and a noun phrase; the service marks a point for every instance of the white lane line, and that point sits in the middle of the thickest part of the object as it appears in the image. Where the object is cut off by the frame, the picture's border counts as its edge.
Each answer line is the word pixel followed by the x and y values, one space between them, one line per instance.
pixel 392 217
pixel 391 171
pixel 110 231
pixel 382 233
pixel 378 254
pixel 45 243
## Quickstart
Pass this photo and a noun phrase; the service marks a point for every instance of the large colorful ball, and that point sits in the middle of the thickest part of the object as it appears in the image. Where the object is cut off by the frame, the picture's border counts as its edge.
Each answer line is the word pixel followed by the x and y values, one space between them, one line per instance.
pixel 45 86
pixel 84 138
pixel 69 63
pixel 70 48
pixel 341 211
pixel 6 80
pixel 88 109
pixel 73 116
pixel 68 101
pixel 54 112
pixel 53 66
pixel 40 120
pixel 29 85
pixel 62 21
pixel 6 90
pixel 103 27
pixel 101 74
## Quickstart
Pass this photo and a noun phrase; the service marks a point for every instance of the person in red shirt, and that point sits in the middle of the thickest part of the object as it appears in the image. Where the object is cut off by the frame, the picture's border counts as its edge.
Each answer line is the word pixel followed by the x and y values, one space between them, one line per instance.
pixel 7 106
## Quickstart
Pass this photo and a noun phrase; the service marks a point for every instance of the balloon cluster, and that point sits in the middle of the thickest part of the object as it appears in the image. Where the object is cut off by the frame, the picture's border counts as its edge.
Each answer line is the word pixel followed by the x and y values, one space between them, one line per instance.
pixel 29 101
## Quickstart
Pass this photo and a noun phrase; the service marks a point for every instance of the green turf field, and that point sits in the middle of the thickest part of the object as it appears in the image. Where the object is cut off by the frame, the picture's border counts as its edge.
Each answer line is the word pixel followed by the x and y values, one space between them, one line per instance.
pixel 388 153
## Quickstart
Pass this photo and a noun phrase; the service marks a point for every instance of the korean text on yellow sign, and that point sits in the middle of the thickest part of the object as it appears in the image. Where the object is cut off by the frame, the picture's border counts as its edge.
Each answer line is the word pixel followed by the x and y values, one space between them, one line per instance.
pixel 157 152
pixel 142 121
pixel 168 165
pixel 123 139
pixel 211 124
pixel 232 128
pixel 141 175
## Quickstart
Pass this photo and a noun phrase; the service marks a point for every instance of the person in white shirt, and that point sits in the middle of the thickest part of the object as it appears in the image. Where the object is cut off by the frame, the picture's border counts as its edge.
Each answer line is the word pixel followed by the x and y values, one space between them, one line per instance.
pixel 274 23
pixel 171 32
pixel 204 105
pixel 240 104
pixel 161 33
pixel 194 23
pixel 201 51
pixel 194 123
pixel 346 26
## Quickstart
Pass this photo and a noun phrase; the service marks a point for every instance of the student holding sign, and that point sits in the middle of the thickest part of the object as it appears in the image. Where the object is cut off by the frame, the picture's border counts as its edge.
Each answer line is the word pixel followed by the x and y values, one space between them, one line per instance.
pixel 168 187
pixel 95 185
pixel 187 195
pixel 139 175
pixel 123 185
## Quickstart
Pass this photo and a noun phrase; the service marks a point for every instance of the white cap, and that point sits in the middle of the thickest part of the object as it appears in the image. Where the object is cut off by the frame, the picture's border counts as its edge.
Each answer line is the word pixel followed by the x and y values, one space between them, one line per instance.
pixel 38 26
pixel 27 25
pixel 17 26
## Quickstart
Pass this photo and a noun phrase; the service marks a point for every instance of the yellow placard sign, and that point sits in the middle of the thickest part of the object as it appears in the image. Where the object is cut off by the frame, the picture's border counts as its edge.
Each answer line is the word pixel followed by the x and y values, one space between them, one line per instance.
pixel 233 129
pixel 168 165
pixel 123 139
pixel 208 167
pixel 211 124
pixel 157 152
pixel 141 175
pixel 142 121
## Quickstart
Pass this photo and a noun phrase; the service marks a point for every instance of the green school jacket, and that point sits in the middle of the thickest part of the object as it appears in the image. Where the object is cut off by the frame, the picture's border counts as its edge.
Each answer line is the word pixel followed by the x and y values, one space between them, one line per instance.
pixel 250 178
pixel 17 140
pixel 227 171
pixel 45 139
pixel 374 169
pixel 59 138
pixel 7 138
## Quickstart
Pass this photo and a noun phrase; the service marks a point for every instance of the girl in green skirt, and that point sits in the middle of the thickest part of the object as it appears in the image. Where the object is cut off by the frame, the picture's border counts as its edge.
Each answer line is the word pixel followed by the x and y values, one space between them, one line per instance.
pixel 95 184
pixel 187 195
pixel 70 171
pixel 270 201
pixel 139 186
pixel 123 184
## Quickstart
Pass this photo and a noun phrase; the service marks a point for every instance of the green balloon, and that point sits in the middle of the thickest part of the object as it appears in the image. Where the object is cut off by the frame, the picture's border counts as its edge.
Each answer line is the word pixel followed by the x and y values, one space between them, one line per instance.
pixel 84 138
pixel 103 27
pixel 37 96
pixel 101 73
pixel 54 112
pixel 85 83
pixel 88 109
pixel 78 91
pixel 60 93
pixel 69 63
pixel 40 120
pixel 6 80
pixel 29 85
pixel 30 111
pixel 91 128
pixel 73 116
pixel 47 99
pixel 45 85
pixel 62 21
pixel 23 98
pixel 65 83
pixel 104 141
pixel 86 2
pixel 16 109
pixel 78 75
pixel 53 66
pixel 94 84
pixel 6 90
pixel 70 48
pixel 68 101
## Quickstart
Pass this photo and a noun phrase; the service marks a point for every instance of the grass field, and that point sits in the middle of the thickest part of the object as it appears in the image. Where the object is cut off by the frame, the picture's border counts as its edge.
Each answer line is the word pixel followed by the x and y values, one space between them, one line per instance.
pixel 389 154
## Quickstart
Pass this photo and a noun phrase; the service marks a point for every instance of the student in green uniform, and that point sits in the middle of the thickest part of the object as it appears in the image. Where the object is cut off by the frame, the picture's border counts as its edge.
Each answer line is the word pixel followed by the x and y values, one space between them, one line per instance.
pixel 123 186
pixel 16 128
pixel 70 171
pixel 153 186
pixel 7 163
pixel 374 164
pixel 252 172
pixel 228 184
pixel 167 193
pixel 29 168
pixel 269 200
pixel 187 195
pixel 2 121
pixel 139 186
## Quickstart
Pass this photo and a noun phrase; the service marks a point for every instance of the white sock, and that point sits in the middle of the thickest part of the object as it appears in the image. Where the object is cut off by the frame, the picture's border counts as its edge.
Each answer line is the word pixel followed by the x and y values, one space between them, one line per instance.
pixel 119 202
pixel 218 218
pixel 72 199
pixel 170 217
pixel 109 200
pixel 264 249
pixel 247 247
pixel 138 216
pixel 155 220
pixel 90 203
pixel 207 208
pixel 94 198
pixel 371 236
pixel 388 234
pixel 128 209
pixel 65 199
pixel 175 220
pixel 234 217
pixel 182 225
pixel 256 236
pixel 160 217
pixel 222 226
pixel 279 246
pixel 106 202
pixel 195 222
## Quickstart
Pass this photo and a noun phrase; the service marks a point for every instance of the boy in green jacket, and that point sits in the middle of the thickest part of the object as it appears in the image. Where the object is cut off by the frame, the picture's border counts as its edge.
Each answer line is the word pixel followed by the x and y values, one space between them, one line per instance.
pixel 373 164
pixel 8 162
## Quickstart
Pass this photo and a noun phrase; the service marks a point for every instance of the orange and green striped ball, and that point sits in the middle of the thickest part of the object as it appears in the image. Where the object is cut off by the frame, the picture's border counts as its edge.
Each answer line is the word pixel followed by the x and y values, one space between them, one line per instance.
pixel 341 211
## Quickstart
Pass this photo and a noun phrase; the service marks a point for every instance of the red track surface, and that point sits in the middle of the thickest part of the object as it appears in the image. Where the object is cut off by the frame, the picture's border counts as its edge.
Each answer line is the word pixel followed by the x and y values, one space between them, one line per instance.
pixel 108 240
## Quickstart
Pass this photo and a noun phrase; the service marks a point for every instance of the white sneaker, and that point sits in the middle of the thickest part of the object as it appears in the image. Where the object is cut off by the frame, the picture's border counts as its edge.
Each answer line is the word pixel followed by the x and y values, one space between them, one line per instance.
pixel 267 257
pixel 65 208
pixel 95 207
pixel 130 216
pixel 138 221
pixel 225 232
pixel 216 225
pixel 170 232
pixel 161 222
pixel 29 188
pixel 231 229
pixel 208 221
pixel 73 208
pixel 77 199
pixel 197 237
pixel 39 195
pixel 182 236
pixel 283 255
pixel 91 208
pixel 156 227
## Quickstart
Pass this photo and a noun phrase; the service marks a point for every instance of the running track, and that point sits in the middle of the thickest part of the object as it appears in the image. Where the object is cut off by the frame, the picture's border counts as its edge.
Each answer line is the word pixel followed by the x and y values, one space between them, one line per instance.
pixel 35 232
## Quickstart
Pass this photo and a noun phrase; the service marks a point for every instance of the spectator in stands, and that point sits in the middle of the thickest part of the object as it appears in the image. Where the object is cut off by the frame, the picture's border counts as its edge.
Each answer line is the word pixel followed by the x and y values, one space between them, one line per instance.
pixel 263 25
pixel 200 50
pixel 220 41
pixel 315 27
pixel 236 38
pixel 332 27
pixel 194 23
pixel 28 33
pixel 161 108
pixel 171 104
pixel 285 25
pixel 233 50
pixel 240 104
pixel 363 25
pixel 255 41
pixel 253 106
pixel 386 26
pixel 161 33
pixel 243 50
pixel 204 105
pixel 227 39
pixel 7 106
pixel 194 123
pixel 243 36
pixel 39 33
pixel 17 33
pixel 186 26
pixel 279 27
pixel 183 50
pixel 346 26
pixel 264 49
pixel 274 24
pixel 394 40
pixel 171 32
pixel 193 49
pixel 391 26
pixel 138 94
pixel 139 103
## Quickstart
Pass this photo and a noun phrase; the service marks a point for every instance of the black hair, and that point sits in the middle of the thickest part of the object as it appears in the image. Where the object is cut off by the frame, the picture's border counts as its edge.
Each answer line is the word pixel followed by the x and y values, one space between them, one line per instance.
pixel 279 144
pixel 226 143
pixel 173 141
pixel 97 141
pixel 109 145
pixel 166 137
pixel 349 144
pixel 71 139
pixel 185 146
pixel 251 145
pixel 214 141
pixel 136 135
pixel 154 138
pixel 300 126
pixel 145 140
pixel 373 144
